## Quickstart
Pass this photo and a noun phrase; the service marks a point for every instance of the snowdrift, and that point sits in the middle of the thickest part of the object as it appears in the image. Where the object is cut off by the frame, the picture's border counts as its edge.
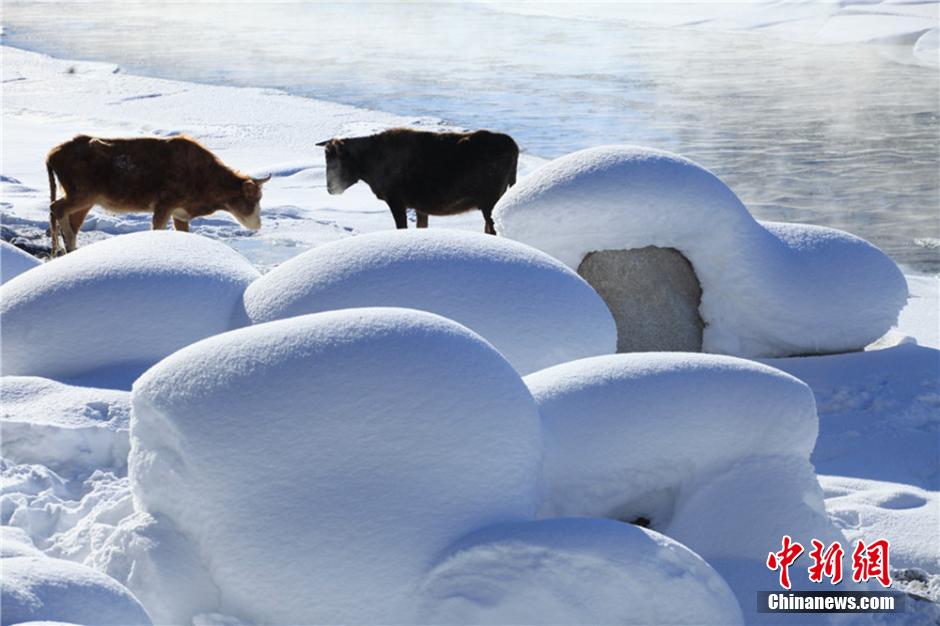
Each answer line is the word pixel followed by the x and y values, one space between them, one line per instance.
pixel 108 311
pixel 66 428
pixel 14 261
pixel 45 589
pixel 769 289
pixel 16 542
pixel 712 451
pixel 534 310
pixel 343 450
pixel 575 571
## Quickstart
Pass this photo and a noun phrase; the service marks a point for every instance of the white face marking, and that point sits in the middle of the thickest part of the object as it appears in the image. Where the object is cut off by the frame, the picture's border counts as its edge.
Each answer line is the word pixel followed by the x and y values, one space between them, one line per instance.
pixel 181 214
pixel 251 222
pixel 332 184
pixel 335 184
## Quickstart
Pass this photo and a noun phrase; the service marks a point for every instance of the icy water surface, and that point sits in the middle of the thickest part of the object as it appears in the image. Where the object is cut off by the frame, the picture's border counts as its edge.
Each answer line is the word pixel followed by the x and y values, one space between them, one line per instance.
pixel 834 135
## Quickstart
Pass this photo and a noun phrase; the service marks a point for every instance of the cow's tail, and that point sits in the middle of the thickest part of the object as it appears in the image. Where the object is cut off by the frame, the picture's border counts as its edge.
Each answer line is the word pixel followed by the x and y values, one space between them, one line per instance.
pixel 53 222
pixel 52 184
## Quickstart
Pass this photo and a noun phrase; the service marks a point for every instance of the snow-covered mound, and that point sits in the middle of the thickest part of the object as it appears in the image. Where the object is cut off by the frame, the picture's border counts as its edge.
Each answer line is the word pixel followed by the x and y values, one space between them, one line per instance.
pixel 534 310
pixel 72 429
pixel 16 542
pixel 341 451
pixel 45 589
pixel 575 571
pixel 713 451
pixel 769 289
pixel 14 261
pixel 108 311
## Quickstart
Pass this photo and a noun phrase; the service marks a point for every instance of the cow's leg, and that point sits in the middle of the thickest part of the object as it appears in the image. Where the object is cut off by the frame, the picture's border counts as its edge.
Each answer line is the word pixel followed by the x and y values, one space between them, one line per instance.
pixel 60 222
pixel 180 225
pixel 53 234
pixel 161 215
pixel 422 221
pixel 400 213
pixel 75 220
pixel 490 228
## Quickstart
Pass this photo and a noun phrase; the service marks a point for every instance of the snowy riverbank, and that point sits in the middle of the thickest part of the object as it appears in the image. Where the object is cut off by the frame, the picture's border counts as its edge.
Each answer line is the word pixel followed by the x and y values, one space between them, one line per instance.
pixel 47 101
pixel 879 410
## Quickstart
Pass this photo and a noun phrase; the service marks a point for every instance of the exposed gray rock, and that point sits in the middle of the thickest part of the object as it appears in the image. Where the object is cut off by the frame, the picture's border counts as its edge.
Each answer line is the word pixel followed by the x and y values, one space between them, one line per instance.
pixel 653 294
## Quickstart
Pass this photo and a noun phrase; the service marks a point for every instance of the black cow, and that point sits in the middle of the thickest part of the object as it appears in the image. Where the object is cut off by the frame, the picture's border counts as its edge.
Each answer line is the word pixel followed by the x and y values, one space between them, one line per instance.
pixel 432 173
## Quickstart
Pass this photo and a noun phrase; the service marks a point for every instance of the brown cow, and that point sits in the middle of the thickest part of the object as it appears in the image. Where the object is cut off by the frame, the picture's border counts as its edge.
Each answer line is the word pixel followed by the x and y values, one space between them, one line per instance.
pixel 432 173
pixel 174 177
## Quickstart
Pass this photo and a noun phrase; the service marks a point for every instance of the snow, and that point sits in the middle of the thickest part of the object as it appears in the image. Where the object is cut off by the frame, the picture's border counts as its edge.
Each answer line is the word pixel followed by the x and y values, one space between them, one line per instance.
pixel 363 441
pixel 16 542
pixel 699 445
pixel 575 571
pixel 66 428
pixel 45 589
pixel 920 319
pixel 108 311
pixel 533 309
pixel 769 289
pixel 879 413
pixel 14 261
pixel 866 509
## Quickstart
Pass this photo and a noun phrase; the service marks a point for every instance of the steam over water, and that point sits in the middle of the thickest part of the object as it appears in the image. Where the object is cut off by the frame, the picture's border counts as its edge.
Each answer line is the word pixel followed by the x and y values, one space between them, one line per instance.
pixel 835 135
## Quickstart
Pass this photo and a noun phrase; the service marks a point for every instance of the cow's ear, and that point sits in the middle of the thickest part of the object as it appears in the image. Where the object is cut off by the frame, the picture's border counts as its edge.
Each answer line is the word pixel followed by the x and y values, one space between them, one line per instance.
pixel 324 142
pixel 332 146
pixel 251 189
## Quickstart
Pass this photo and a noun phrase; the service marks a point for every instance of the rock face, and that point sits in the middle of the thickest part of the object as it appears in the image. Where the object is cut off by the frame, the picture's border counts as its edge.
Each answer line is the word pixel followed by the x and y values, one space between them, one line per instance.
pixel 653 294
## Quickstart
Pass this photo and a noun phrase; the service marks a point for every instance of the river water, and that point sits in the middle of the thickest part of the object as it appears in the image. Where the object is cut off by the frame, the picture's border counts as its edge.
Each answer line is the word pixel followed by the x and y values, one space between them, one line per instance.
pixel 834 135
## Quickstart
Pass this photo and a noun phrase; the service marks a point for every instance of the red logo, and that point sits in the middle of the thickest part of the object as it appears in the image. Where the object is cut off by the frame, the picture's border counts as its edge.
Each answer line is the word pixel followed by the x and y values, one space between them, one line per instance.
pixel 871 561
pixel 784 559
pixel 868 561
pixel 826 564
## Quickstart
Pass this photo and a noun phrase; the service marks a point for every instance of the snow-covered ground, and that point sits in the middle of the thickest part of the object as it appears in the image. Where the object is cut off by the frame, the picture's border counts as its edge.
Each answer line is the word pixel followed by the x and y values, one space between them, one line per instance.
pixel 877 453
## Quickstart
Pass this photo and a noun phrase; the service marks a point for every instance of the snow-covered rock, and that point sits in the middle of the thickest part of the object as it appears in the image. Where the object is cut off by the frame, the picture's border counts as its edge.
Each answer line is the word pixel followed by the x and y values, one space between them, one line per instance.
pixel 46 589
pixel 319 463
pixel 75 429
pixel 534 310
pixel 109 310
pixel 713 451
pixel 769 289
pixel 14 261
pixel 574 571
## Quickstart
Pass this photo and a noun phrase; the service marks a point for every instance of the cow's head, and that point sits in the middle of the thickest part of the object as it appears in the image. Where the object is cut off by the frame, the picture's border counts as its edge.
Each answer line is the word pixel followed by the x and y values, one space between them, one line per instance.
pixel 341 171
pixel 245 205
